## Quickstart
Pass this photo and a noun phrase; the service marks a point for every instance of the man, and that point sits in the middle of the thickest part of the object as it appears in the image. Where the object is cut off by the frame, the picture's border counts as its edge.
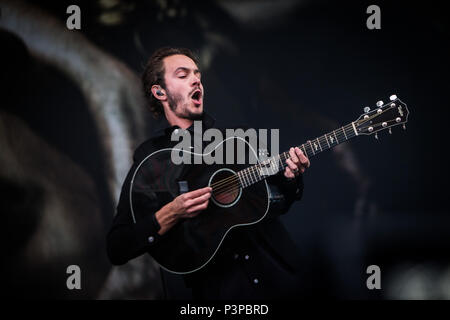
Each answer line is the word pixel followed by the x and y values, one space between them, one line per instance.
pixel 257 261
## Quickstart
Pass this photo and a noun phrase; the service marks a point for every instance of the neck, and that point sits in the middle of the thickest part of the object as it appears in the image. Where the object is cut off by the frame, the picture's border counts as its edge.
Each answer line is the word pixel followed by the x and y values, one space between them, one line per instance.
pixel 174 120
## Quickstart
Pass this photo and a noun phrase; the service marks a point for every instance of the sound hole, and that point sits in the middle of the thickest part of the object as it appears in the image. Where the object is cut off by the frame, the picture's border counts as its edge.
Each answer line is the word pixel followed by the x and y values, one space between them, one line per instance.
pixel 226 187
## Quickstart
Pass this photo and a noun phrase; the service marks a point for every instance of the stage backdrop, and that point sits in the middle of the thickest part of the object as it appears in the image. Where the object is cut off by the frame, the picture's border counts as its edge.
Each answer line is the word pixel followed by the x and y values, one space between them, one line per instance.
pixel 72 112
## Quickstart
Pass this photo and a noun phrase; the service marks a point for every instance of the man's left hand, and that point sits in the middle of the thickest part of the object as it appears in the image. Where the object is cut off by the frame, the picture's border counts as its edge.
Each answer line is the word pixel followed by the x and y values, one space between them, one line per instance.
pixel 297 163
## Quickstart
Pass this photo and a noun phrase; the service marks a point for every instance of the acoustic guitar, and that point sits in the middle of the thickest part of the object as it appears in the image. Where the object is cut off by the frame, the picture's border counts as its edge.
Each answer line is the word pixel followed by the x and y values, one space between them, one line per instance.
pixel 240 194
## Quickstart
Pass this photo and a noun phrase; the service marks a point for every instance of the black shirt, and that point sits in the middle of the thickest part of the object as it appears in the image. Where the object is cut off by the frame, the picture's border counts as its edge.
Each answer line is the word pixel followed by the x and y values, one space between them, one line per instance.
pixel 257 261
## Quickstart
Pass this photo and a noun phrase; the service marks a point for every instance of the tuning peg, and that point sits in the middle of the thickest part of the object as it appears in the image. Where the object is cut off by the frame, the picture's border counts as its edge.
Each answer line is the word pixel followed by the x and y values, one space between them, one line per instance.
pixel 380 103
pixel 393 97
pixel 390 130
pixel 404 126
pixel 366 109
pixel 376 135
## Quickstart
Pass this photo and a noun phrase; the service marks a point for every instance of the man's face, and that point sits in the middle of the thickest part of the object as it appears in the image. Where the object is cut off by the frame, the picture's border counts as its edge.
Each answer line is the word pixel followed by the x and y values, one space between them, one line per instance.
pixel 183 87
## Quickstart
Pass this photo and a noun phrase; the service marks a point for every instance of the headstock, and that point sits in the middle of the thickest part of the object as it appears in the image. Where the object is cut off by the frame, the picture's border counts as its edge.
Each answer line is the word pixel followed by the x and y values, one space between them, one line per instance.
pixel 384 116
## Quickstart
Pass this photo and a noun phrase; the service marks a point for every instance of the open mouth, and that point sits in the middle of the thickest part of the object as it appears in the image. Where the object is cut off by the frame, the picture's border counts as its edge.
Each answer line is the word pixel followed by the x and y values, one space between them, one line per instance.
pixel 197 97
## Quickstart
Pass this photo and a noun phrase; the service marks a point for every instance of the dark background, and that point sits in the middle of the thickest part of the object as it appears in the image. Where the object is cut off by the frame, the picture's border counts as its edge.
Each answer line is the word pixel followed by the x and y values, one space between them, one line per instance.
pixel 301 66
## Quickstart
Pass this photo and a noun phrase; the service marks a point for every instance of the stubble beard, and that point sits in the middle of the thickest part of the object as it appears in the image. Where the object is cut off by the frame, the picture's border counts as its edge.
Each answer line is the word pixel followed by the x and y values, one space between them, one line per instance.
pixel 181 109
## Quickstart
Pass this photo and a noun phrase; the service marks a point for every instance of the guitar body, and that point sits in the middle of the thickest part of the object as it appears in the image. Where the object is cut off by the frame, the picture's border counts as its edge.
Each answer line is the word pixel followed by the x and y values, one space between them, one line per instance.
pixel 193 242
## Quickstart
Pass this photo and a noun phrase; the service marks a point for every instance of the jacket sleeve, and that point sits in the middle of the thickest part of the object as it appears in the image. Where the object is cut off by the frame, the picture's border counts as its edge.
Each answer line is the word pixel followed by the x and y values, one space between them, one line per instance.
pixel 128 238
pixel 283 192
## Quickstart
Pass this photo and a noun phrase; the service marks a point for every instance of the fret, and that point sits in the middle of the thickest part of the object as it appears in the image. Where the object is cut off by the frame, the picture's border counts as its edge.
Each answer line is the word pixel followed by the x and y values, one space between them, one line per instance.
pixel 244 181
pixel 310 150
pixel 349 131
pixel 247 177
pixel 254 172
pixel 241 178
pixel 327 141
pixel 332 140
pixel 274 160
pixel 320 145
pixel 249 172
pixel 344 133
pixel 280 163
pixel 304 150
pixel 253 175
pixel 354 128
pixel 268 166
pixel 311 147
pixel 257 172
pixel 336 137
pixel 262 168
pixel 316 146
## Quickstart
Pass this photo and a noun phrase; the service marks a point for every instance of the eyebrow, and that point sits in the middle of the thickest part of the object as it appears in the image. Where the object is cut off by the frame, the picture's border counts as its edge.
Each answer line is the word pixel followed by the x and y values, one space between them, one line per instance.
pixel 186 70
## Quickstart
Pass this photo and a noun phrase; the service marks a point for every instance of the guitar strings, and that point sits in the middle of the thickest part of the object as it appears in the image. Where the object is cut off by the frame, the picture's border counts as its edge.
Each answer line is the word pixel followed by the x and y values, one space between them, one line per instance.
pixel 247 172
pixel 252 172
pixel 231 188
pixel 341 135
pixel 229 184
pixel 234 187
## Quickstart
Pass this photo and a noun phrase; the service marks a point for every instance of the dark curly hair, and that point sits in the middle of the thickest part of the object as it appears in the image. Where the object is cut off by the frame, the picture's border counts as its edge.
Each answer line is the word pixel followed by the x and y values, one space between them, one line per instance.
pixel 154 74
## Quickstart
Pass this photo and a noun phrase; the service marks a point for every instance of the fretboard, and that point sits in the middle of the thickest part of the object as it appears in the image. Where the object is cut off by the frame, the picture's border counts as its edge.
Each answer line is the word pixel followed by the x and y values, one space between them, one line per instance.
pixel 310 148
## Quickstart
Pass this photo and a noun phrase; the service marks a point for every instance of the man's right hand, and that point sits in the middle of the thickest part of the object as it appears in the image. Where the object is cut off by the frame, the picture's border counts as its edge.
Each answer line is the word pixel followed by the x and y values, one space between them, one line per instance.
pixel 186 205
pixel 189 204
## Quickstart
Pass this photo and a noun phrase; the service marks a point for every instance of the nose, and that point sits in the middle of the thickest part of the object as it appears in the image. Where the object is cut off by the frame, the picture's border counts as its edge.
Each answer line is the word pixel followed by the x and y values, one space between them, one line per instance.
pixel 195 80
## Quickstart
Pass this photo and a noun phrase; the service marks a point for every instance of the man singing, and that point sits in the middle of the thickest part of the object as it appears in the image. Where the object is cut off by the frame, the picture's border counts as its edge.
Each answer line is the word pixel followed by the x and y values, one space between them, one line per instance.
pixel 258 261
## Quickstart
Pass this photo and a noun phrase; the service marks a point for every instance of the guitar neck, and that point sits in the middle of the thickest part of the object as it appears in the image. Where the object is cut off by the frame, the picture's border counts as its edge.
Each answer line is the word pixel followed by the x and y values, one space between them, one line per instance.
pixel 310 148
pixel 324 142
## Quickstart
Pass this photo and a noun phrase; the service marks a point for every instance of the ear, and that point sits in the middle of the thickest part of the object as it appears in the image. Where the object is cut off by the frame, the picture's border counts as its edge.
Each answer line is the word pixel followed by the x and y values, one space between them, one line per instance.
pixel 158 92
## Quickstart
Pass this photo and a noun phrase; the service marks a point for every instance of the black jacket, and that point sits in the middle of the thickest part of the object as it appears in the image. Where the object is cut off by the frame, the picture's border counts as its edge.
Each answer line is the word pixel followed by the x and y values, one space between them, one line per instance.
pixel 257 261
